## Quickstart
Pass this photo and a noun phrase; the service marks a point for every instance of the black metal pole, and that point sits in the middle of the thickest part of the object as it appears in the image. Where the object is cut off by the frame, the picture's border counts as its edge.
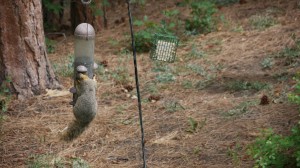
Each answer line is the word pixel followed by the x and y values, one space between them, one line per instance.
pixel 137 84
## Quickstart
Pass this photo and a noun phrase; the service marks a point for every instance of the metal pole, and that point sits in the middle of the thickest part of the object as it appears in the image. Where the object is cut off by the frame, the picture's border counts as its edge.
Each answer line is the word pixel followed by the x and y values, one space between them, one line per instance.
pixel 137 84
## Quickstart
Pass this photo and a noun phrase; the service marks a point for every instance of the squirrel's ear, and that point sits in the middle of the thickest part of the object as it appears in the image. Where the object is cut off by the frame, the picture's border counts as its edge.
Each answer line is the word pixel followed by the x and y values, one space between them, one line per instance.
pixel 94 78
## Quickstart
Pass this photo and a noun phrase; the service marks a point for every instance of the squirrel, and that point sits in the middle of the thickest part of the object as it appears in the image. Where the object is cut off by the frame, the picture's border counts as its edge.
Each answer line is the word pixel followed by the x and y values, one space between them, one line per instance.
pixel 85 107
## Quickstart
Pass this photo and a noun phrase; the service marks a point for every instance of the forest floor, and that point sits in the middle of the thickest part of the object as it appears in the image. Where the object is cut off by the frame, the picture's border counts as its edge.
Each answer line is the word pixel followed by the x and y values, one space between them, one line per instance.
pixel 207 108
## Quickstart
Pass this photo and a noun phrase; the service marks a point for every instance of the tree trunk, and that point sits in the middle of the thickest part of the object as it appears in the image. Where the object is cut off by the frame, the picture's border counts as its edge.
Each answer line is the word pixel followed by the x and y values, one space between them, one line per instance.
pixel 85 14
pixel 23 56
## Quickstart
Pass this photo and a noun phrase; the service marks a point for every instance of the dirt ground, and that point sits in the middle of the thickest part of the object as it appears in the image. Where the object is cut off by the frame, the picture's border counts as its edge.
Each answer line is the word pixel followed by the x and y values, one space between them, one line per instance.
pixel 201 119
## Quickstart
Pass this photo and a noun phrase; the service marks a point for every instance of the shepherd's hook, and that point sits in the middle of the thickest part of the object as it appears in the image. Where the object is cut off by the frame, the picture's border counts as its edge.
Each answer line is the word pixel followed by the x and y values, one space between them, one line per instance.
pixel 137 83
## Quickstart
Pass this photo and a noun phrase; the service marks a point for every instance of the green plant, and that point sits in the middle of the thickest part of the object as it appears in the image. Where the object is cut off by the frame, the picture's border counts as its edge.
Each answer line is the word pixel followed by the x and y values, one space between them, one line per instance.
pixel 143 37
pixel 50 44
pixel 65 68
pixel 173 106
pixel 295 95
pixel 197 69
pixel 197 150
pixel 165 77
pixel 161 67
pixel 238 29
pixel 241 85
pixel 240 109
pixel 267 63
pixel 233 152
pixel 196 53
pixel 271 150
pixel 151 87
pixel 79 163
pixel 202 19
pixel 187 84
pixel 52 7
pixel 274 150
pixel 262 22
pixel 5 96
pixel 291 52
pixel 45 161
pixel 121 74
pixel 195 125
pixel 224 2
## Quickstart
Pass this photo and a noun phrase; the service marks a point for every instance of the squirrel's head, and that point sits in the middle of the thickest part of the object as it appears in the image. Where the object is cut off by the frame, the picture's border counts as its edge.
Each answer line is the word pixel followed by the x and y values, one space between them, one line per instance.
pixel 82 77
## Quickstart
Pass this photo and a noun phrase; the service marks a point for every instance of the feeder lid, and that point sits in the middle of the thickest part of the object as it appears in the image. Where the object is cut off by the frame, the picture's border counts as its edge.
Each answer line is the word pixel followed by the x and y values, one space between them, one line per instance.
pixel 84 31
pixel 81 69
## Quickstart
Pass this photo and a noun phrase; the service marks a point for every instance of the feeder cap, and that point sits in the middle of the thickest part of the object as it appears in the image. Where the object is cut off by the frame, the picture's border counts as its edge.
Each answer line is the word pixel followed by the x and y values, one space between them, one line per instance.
pixel 95 65
pixel 84 31
pixel 81 69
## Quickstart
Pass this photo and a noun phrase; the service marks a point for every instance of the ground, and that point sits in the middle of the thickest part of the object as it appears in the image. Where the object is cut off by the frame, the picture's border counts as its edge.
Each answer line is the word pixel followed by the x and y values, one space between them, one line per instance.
pixel 208 102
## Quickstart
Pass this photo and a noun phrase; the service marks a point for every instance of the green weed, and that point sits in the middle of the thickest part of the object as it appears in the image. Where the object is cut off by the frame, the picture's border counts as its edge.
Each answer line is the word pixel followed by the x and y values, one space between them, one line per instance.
pixel 224 2
pixel 151 88
pixel 240 109
pixel 197 69
pixel 271 150
pixel 262 22
pixel 113 42
pixel 267 63
pixel 45 161
pixel 240 85
pixel 5 96
pixel 196 53
pixel 195 125
pixel 187 84
pixel 290 52
pixel 120 74
pixel 50 44
pixel 165 77
pixel 202 84
pixel 238 29
pixel 233 152
pixel 144 37
pixel 274 150
pixel 201 19
pixel 49 161
pixel 197 150
pixel 65 68
pixel 173 106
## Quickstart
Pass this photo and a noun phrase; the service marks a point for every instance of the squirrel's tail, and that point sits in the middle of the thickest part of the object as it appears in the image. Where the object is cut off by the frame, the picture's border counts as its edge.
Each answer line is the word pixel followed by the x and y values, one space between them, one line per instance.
pixel 75 129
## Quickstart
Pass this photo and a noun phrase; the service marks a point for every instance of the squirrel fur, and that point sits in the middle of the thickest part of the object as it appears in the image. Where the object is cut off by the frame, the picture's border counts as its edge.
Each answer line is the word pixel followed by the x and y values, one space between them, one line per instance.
pixel 85 107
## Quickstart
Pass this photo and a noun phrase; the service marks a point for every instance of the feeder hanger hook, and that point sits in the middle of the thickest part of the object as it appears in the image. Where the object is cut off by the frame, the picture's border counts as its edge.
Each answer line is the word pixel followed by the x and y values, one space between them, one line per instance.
pixel 86 3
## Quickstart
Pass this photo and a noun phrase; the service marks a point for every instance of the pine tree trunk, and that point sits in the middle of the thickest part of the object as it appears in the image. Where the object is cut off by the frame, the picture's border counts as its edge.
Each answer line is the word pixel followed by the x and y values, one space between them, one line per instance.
pixel 23 56
pixel 84 14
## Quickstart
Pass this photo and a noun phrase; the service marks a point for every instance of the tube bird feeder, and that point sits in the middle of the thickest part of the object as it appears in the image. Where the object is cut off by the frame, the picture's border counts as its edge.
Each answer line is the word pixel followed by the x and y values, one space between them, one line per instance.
pixel 84 48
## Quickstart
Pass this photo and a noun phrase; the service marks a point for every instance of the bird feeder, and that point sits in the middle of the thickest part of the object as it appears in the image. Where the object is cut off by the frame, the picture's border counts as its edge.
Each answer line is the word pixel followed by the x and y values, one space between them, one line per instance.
pixel 164 48
pixel 84 54
pixel 84 48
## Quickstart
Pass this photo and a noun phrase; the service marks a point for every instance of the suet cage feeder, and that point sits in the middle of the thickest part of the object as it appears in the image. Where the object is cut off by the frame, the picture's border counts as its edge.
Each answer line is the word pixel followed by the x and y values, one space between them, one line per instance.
pixel 164 48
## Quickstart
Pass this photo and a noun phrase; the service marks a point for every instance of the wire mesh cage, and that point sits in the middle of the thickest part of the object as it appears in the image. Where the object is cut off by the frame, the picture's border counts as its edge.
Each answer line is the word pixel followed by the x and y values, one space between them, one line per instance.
pixel 164 48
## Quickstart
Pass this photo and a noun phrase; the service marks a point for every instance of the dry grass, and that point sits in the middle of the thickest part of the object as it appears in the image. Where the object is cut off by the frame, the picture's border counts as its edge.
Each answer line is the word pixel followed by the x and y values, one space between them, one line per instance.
pixel 33 127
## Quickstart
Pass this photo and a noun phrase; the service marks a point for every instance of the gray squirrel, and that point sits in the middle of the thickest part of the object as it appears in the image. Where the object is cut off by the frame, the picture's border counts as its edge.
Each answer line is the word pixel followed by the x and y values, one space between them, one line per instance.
pixel 85 107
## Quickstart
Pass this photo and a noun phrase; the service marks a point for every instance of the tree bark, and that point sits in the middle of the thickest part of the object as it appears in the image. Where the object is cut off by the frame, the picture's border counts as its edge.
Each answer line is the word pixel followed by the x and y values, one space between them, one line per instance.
pixel 84 14
pixel 23 56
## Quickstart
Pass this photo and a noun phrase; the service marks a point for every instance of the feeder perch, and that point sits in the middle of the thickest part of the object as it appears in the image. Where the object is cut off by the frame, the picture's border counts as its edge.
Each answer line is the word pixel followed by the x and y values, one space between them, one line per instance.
pixel 81 69
pixel 164 48
pixel 84 48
